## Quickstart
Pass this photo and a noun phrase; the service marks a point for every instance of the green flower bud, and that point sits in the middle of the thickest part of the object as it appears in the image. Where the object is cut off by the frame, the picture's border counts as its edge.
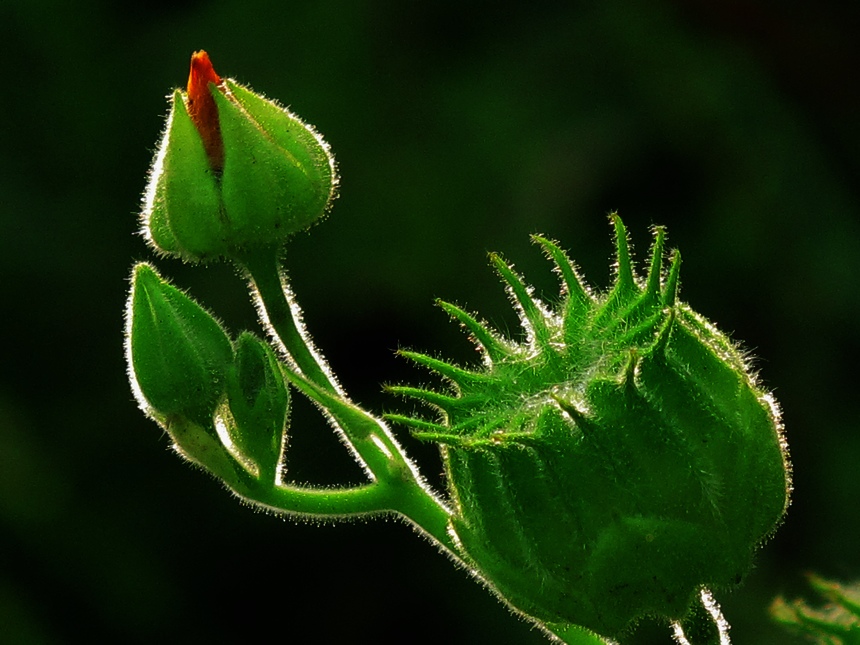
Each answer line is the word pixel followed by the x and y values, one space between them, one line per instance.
pixel 259 403
pixel 178 354
pixel 234 171
pixel 619 460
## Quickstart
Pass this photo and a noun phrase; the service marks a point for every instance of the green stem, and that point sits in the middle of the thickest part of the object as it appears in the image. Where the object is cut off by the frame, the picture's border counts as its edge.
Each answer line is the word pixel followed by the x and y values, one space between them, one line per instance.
pixel 282 316
pixel 322 502
pixel 704 625
pixel 397 486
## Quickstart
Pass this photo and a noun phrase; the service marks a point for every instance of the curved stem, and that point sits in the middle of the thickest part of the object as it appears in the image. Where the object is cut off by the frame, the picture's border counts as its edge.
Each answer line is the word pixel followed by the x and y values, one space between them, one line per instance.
pixel 396 484
pixel 282 317
pixel 386 463
pixel 321 502
pixel 426 513
pixel 704 625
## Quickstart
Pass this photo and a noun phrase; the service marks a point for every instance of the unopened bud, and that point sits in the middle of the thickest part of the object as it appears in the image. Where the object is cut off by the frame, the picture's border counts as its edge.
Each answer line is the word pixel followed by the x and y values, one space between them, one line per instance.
pixel 178 353
pixel 259 402
pixel 234 171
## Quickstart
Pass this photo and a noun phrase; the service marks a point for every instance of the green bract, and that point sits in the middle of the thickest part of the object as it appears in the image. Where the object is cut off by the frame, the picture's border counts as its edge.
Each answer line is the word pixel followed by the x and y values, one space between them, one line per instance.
pixel 259 403
pixel 615 463
pixel 278 178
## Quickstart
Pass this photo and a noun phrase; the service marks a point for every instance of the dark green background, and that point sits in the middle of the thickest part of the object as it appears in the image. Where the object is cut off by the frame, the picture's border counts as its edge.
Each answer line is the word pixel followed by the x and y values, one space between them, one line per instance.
pixel 460 128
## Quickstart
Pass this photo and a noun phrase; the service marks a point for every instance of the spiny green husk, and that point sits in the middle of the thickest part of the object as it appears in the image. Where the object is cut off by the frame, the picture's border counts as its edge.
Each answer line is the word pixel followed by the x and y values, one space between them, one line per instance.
pixel 619 459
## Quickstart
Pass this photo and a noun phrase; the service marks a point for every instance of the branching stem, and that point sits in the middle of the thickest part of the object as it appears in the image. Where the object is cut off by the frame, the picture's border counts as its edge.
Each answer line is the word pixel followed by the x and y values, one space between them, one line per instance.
pixel 396 484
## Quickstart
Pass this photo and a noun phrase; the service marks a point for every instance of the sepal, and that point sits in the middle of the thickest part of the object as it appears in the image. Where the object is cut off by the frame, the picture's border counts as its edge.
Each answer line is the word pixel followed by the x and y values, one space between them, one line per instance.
pixel 259 403
pixel 279 174
pixel 200 445
pixel 182 210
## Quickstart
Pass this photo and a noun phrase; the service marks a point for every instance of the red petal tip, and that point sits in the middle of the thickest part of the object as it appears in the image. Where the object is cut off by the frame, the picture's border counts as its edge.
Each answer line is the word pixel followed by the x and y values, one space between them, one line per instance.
pixel 202 108
pixel 202 73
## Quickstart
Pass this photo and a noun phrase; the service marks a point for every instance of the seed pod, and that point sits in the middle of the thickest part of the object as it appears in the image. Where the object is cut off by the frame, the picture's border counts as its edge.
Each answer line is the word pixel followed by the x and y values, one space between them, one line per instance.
pixel 614 463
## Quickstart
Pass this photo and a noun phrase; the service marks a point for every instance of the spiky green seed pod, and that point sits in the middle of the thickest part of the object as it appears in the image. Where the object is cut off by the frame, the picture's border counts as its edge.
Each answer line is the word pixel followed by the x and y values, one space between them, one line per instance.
pixel 618 460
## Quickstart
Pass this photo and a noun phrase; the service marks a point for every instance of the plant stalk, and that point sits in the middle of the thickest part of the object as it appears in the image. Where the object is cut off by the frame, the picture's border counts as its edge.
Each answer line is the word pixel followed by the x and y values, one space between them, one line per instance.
pixel 396 484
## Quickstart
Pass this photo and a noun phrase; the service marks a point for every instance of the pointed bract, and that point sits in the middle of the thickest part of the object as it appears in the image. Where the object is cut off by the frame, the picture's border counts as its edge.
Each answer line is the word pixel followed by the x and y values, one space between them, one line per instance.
pixel 573 286
pixel 457 375
pixel 493 346
pixel 532 316
pixel 655 272
pixel 670 289
pixel 625 280
pixel 441 401
pixel 259 403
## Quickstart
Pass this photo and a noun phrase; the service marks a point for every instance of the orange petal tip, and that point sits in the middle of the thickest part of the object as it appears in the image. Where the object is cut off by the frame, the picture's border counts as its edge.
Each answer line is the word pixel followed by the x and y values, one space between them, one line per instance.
pixel 202 108
pixel 202 73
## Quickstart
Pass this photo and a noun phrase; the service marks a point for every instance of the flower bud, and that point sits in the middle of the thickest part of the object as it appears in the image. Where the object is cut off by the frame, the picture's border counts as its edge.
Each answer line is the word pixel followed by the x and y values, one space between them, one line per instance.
pixel 615 463
pixel 259 402
pixel 178 354
pixel 234 171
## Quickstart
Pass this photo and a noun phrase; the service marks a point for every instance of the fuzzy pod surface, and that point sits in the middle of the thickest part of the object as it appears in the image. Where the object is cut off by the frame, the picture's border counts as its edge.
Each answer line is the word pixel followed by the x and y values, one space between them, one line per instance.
pixel 614 463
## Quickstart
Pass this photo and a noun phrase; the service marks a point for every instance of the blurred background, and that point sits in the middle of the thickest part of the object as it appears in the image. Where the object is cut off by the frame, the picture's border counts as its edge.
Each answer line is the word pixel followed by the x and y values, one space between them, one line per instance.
pixel 459 128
